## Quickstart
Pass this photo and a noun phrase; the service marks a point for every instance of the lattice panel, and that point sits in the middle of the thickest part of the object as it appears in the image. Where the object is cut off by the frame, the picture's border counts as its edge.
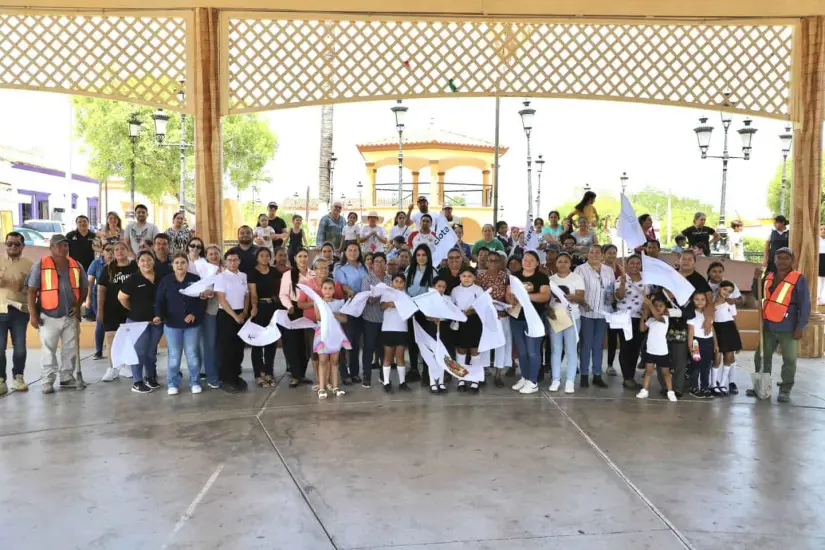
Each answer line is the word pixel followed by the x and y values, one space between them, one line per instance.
pixel 279 63
pixel 131 58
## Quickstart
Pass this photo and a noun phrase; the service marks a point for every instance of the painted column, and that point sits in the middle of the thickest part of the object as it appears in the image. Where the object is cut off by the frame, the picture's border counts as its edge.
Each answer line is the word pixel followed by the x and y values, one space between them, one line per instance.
pixel 208 143
pixel 441 187
pixel 807 114
pixel 485 186
pixel 372 193
pixel 415 187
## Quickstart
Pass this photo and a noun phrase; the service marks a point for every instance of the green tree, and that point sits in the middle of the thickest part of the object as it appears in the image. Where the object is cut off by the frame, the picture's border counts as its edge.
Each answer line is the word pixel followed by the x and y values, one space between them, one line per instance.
pixel 775 186
pixel 102 125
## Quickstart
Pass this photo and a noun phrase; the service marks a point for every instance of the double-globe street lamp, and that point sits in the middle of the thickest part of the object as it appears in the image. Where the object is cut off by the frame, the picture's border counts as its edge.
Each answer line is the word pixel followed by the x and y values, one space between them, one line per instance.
pixel 330 171
pixel 400 112
pixel 527 114
pixel 539 170
pixel 161 119
pixel 703 134
pixel 786 140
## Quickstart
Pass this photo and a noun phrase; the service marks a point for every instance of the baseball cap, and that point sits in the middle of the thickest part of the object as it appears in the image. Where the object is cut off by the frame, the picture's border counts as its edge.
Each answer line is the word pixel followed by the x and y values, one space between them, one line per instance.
pixel 273 203
pixel 57 238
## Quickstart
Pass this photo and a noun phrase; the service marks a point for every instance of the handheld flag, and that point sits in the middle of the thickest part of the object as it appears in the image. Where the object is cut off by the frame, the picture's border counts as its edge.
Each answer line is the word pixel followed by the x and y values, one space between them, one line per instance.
pixel 657 272
pixel 627 226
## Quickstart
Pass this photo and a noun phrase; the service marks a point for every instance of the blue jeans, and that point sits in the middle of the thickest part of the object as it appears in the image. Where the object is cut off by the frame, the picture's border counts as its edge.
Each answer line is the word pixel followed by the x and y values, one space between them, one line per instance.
pixel 592 333
pixel 146 348
pixel 184 340
pixel 209 347
pixel 528 349
pixel 16 322
pixel 353 328
pixel 99 331
pixel 372 342
pixel 567 339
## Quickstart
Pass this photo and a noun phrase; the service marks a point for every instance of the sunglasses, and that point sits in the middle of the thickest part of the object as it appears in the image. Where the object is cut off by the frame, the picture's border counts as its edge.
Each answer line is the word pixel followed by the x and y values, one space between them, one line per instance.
pixel 14 244
pixel 195 247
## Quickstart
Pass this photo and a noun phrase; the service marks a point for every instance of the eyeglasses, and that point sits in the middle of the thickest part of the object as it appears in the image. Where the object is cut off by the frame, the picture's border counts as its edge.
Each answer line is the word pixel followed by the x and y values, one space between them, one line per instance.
pixel 195 247
pixel 14 244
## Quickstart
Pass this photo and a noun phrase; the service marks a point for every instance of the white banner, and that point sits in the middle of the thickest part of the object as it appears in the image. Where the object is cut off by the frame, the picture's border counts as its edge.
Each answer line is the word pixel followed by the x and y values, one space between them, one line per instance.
pixel 432 304
pixel 621 320
pixel 199 287
pixel 332 335
pixel 535 328
pixel 445 240
pixel 354 307
pixel 281 317
pixel 123 346
pixel 403 303
pixel 627 226
pixel 438 360
pixel 657 272
pixel 492 334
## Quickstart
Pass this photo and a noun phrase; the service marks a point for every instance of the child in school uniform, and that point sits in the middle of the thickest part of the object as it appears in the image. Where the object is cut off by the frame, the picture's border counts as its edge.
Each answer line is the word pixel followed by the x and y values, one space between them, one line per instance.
pixel 469 332
pixel 394 338
pixel 350 232
pixel 654 321
pixel 328 354
pixel 728 339
pixel 703 346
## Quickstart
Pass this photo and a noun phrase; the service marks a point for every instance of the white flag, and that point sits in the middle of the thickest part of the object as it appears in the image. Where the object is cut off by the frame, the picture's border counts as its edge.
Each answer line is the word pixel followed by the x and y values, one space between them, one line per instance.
pixel 559 293
pixel 445 240
pixel 403 303
pixel 332 335
pixel 492 333
pixel 535 327
pixel 438 360
pixel 256 335
pixel 198 287
pixel 354 307
pixel 432 304
pixel 123 346
pixel 281 317
pixel 621 320
pixel 657 272
pixel 627 226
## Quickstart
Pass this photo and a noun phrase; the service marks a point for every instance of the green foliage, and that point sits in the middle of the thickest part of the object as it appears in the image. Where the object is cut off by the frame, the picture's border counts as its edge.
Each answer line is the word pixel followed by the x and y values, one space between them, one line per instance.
pixel 754 244
pixel 102 125
pixel 775 186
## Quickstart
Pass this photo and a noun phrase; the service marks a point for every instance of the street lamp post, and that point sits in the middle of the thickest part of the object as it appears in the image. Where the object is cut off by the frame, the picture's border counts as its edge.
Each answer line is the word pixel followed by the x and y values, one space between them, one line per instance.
pixel 527 114
pixel 539 169
pixel 400 112
pixel 331 168
pixel 134 134
pixel 786 139
pixel 703 134
pixel 623 179
pixel 360 187
pixel 161 119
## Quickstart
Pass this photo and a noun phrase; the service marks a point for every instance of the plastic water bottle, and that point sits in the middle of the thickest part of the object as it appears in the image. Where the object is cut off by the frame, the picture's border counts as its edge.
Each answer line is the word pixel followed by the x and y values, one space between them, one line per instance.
pixel 696 355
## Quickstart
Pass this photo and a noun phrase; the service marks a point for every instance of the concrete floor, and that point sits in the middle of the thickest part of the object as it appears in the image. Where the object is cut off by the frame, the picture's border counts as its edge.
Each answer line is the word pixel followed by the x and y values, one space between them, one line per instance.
pixel 276 469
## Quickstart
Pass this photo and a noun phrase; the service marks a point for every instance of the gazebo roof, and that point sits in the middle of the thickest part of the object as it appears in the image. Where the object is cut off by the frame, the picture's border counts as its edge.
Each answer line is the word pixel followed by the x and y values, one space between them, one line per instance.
pixel 434 137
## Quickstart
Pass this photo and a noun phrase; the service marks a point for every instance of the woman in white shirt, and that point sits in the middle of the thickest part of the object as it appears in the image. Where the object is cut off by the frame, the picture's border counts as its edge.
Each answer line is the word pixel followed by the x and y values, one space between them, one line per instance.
pixel 630 295
pixel 400 227
pixel 232 294
pixel 599 283
pixel 573 287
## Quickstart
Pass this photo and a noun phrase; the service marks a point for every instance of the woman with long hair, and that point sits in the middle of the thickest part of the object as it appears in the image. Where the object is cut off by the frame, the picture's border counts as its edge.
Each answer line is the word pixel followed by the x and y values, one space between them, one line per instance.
pixel 110 313
pixel 420 277
pixel 565 340
pixel 294 340
pixel 631 293
pixel 599 285
pixel 182 317
pixel 351 273
pixel 586 207
pixel 196 256
pixel 96 270
pixel 179 235
pixel 264 287
pixel 137 296
pixel 609 253
pixel 400 227
pixel 501 234
pixel 111 233
pixel 209 332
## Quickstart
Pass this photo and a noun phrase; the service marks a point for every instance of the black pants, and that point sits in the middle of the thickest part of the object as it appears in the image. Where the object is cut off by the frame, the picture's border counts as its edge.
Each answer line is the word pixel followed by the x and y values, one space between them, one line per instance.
pixel 372 344
pixel 629 350
pixel 231 347
pixel 263 357
pixel 295 351
pixel 701 369
pixel 613 339
pixel 354 330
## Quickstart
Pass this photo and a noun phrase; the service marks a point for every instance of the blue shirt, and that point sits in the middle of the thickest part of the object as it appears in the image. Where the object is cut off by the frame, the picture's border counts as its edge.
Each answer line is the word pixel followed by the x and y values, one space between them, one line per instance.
pixel 173 307
pixel 350 275
pixel 95 270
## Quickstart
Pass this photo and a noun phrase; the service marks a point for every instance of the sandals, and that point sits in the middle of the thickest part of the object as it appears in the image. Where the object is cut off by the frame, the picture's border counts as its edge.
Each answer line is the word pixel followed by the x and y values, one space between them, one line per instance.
pixel 338 392
pixel 268 381
pixel 322 394
pixel 259 381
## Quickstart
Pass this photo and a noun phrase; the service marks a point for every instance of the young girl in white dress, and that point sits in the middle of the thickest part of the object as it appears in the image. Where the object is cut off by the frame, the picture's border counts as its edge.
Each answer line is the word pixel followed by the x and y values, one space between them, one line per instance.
pixel 729 341
pixel 469 332
pixel 263 233
pixel 328 354
pixel 394 338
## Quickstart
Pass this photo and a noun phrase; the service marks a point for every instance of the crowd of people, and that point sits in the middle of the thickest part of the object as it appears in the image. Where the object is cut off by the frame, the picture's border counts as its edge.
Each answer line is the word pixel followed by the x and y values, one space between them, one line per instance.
pixel 573 283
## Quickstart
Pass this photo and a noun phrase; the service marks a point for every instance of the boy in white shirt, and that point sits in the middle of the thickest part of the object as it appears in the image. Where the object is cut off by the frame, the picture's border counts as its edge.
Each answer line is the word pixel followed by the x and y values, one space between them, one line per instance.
pixel 655 321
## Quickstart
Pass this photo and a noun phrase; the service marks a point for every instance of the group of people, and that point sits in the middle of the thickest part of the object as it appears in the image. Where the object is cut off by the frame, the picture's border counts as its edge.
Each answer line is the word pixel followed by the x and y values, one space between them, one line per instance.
pixel 570 281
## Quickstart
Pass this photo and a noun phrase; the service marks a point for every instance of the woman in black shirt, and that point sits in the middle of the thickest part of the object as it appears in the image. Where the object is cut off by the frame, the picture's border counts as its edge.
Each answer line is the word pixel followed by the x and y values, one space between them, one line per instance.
pixel 111 314
pixel 138 297
pixel 264 284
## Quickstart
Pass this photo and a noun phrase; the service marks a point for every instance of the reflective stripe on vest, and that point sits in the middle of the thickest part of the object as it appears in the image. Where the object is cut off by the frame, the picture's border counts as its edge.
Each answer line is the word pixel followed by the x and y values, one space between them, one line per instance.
pixel 775 305
pixel 50 283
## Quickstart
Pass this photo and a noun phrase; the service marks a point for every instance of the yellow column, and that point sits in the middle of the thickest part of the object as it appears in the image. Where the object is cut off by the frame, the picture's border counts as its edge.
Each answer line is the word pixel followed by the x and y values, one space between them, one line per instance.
pixel 485 186
pixel 415 187
pixel 208 143
pixel 372 172
pixel 441 187
pixel 807 162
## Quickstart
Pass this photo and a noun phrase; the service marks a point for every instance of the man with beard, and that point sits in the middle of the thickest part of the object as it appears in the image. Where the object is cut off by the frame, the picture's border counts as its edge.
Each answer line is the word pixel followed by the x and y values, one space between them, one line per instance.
pixel 245 250
pixel 139 230
pixel 14 317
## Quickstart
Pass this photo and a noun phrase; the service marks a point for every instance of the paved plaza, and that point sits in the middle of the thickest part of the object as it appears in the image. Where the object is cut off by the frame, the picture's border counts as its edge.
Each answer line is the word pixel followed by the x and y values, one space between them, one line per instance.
pixel 275 469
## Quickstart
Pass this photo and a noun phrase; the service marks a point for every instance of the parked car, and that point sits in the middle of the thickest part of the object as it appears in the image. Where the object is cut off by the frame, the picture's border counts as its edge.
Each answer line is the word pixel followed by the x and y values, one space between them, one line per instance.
pixel 32 237
pixel 47 228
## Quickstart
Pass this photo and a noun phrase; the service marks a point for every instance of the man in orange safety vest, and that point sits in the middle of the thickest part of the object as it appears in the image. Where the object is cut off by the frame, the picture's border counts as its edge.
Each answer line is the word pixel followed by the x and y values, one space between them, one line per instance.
pixel 57 287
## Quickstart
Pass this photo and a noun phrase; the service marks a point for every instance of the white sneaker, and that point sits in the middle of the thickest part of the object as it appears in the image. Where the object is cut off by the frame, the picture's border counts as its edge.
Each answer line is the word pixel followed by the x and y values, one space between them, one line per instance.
pixel 173 390
pixel 569 387
pixel 529 387
pixel 555 385
pixel 126 371
pixel 196 388
pixel 643 393
pixel 111 374
pixel 671 396
pixel 520 384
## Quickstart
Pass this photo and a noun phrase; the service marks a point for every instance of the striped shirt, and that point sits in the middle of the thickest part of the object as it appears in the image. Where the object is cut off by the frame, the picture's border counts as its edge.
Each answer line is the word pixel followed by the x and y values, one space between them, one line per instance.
pixel 597 283
pixel 373 312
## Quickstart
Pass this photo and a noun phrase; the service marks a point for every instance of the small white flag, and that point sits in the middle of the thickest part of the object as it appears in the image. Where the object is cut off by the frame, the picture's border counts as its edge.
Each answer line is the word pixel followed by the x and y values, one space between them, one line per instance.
pixel 445 240
pixel 657 272
pixel 403 303
pixel 198 287
pixel 432 304
pixel 256 335
pixel 492 333
pixel 354 307
pixel 627 226
pixel 535 328
pixel 123 346
pixel 282 318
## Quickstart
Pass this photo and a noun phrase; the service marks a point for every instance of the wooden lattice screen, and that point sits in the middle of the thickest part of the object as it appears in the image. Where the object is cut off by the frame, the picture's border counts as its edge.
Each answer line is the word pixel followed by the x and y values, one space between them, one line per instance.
pixel 274 63
pixel 132 58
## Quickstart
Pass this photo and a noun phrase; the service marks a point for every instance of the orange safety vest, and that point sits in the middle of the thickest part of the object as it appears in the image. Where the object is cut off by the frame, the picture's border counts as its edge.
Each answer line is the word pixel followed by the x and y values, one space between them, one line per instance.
pixel 50 286
pixel 775 305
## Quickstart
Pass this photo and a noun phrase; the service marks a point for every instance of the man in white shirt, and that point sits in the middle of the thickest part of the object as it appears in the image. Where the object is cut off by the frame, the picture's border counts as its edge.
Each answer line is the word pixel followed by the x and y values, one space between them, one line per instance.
pixel 139 230
pixel 737 242
pixel 415 217
pixel 425 235
pixel 447 214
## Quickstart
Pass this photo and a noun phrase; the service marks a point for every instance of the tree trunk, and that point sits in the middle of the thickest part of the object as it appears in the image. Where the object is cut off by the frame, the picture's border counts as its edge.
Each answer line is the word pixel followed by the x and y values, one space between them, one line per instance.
pixel 325 154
